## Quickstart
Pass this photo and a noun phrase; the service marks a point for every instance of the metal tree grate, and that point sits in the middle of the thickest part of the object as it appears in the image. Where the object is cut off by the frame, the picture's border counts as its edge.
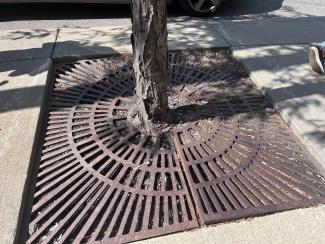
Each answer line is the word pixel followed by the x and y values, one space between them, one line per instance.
pixel 100 179
pixel 245 168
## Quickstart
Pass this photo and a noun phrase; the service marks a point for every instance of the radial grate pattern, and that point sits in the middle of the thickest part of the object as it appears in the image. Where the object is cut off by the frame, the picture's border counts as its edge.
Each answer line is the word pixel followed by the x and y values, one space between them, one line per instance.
pixel 254 169
pixel 225 155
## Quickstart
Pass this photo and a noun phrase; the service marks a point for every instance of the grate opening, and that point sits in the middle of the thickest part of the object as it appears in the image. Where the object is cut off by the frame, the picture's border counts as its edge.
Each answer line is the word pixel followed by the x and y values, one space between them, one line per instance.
pixel 108 220
pixel 141 212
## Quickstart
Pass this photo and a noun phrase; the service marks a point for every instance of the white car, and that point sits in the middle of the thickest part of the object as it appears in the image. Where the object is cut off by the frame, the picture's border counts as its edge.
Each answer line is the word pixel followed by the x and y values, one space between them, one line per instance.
pixel 192 7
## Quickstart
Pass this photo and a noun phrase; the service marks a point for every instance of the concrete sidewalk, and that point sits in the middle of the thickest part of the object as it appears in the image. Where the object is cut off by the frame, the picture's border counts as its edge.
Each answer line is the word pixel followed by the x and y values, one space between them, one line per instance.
pixel 272 50
pixel 294 227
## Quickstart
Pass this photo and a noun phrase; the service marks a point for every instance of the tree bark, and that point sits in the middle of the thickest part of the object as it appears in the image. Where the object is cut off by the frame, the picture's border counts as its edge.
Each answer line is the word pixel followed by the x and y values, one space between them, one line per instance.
pixel 149 42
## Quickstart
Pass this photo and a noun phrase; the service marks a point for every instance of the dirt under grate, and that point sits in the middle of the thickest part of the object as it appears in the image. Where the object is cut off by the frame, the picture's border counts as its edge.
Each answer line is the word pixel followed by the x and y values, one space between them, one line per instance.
pixel 225 154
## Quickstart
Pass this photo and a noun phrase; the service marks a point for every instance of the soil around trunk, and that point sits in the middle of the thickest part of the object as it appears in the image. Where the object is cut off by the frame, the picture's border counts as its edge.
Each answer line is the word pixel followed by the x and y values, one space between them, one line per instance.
pixel 182 108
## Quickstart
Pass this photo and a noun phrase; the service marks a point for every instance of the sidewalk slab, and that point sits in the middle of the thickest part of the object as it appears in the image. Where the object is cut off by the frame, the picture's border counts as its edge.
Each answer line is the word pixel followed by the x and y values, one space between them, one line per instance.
pixel 29 44
pixel 22 89
pixel 101 41
pixel 284 75
pixel 193 35
pixel 271 31
pixel 294 227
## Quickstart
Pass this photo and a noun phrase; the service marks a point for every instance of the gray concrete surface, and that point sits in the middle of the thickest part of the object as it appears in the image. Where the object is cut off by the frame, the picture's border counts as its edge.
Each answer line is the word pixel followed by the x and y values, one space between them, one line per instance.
pixel 195 34
pixel 272 31
pixel 26 44
pixel 292 227
pixel 22 88
pixel 298 93
pixel 81 42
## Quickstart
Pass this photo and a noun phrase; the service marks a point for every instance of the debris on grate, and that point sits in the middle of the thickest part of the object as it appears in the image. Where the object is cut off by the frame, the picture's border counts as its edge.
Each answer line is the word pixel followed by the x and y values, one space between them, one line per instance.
pixel 101 180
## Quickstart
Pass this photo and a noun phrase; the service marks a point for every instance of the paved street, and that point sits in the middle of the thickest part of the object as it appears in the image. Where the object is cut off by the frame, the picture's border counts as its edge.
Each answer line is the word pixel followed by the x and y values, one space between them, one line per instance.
pixel 28 16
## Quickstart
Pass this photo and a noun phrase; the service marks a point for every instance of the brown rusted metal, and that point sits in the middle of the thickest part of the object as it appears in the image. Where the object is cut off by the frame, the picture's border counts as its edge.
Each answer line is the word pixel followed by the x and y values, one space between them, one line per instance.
pixel 242 168
pixel 101 180
pixel 240 159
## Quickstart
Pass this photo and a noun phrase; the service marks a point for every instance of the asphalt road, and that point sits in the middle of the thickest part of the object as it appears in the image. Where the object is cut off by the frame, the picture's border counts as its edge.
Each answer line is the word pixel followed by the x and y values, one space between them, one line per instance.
pixel 27 16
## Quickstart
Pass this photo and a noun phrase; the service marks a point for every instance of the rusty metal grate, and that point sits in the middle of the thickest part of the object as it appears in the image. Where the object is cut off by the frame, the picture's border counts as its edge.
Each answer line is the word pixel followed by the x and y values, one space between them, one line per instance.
pixel 245 168
pixel 99 179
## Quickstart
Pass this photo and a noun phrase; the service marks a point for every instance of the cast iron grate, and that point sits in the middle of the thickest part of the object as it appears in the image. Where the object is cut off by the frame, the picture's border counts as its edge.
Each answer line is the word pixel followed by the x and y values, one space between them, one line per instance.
pixel 100 179
pixel 246 168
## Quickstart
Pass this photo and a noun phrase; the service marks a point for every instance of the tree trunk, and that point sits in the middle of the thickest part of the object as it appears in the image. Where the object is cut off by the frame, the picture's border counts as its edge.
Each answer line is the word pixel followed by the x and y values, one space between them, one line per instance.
pixel 149 42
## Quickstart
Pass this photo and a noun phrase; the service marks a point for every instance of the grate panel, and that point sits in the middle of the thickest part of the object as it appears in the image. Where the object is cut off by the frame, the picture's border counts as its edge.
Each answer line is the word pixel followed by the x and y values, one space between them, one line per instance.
pixel 241 159
pixel 99 178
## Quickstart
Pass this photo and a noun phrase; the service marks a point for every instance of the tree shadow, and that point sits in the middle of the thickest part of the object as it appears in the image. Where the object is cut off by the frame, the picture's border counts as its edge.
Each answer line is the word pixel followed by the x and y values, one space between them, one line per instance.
pixel 285 76
pixel 290 56
pixel 218 94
